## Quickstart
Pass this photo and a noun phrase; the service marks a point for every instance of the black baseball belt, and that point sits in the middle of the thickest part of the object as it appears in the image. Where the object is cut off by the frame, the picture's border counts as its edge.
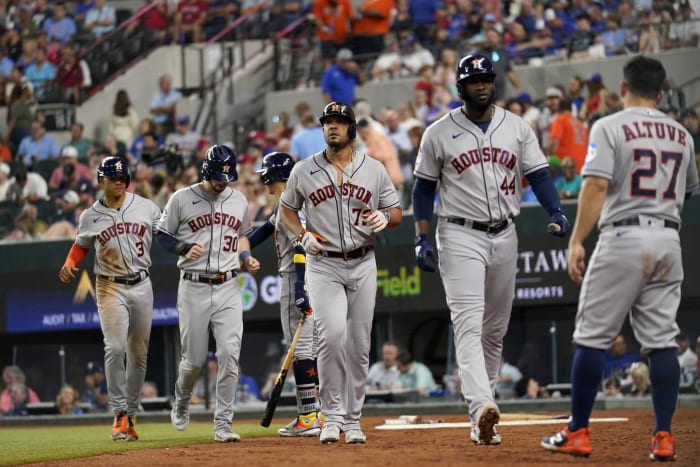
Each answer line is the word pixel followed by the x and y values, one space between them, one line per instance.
pixel 635 221
pixel 492 228
pixel 346 255
pixel 209 277
pixel 126 280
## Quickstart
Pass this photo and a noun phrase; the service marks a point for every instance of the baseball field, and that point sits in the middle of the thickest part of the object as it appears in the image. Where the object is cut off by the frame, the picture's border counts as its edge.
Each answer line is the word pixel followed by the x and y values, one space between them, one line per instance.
pixel 619 443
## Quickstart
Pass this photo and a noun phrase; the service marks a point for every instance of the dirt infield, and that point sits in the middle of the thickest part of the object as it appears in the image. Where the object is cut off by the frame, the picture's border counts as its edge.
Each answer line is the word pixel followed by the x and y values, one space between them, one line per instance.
pixel 621 444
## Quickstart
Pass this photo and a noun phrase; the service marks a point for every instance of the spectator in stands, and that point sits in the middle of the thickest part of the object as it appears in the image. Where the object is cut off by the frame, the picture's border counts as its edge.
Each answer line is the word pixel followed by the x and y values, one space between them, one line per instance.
pixel 184 137
pixel 163 105
pixel 18 399
pixel 27 27
pixel 301 109
pixel 408 117
pixel 41 12
pixel 383 374
pixel 100 19
pixel 161 189
pixel 508 376
pixel 81 11
pixel 689 119
pixel 206 383
pixel 552 97
pixel 614 36
pixel 70 173
pixel 220 14
pixel 582 39
pixel 568 137
pixel 501 63
pixel 685 31
pixel 569 185
pixel 639 374
pixel 309 140
pixel 612 387
pixel 14 44
pixel 363 110
pixel 27 186
pixel 37 146
pixel 146 125
pixel 688 362
pixel 399 136
pixel 14 375
pixel 41 73
pixel 28 55
pixel 340 79
pixel 155 19
pixel 414 375
pixel 332 18
pixel 190 17
pixel 443 103
pixel 81 144
pixel 5 180
pixel 649 40
pixel 124 120
pixel 387 66
pixel 414 56
pixel 283 12
pixel 595 102
pixel 67 401
pixel 379 147
pixel 65 224
pixel 529 388
pixel 531 114
pixel 425 81
pixel 401 18
pixel 59 27
pixel 575 94
pixel 420 104
pixel 19 114
pixel 425 13
pixel 516 106
pixel 618 361
pixel 149 390
pixel 6 65
pixel 70 75
pixel 95 393
pixel 445 70
pixel 369 26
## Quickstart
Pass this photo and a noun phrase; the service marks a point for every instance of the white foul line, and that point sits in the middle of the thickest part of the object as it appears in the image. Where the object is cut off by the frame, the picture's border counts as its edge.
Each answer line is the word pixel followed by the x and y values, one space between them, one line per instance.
pixel 430 426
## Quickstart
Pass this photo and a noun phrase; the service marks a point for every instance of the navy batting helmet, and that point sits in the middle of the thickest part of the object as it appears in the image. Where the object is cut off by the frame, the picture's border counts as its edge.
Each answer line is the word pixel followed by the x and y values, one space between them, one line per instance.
pixel 276 166
pixel 114 166
pixel 220 164
pixel 341 110
pixel 473 65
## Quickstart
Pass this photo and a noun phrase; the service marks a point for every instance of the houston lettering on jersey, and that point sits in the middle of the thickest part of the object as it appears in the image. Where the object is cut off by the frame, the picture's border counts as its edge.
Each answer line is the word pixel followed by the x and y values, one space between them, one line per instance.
pixel 487 154
pixel 121 228
pixel 347 189
pixel 652 130
pixel 222 218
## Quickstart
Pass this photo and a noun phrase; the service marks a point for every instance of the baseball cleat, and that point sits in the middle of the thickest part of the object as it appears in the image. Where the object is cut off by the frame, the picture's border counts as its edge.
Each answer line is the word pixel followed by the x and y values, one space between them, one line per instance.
pixel 303 425
pixel 120 426
pixel 496 439
pixel 486 421
pixel 180 415
pixel 355 437
pixel 577 443
pixel 226 435
pixel 131 434
pixel 663 447
pixel 330 434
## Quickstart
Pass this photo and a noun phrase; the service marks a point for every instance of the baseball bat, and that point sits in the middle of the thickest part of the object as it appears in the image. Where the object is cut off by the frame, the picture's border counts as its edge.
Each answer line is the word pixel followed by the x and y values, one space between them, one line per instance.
pixel 553 228
pixel 281 377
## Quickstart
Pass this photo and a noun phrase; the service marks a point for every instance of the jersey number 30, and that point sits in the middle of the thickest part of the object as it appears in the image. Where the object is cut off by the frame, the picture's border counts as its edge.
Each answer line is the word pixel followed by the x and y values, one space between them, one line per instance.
pixel 648 158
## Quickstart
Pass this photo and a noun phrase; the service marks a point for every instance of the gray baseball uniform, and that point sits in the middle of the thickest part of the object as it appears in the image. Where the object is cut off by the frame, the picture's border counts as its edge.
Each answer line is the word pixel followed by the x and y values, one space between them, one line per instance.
pixel 480 192
pixel 649 160
pixel 122 239
pixel 343 283
pixel 207 296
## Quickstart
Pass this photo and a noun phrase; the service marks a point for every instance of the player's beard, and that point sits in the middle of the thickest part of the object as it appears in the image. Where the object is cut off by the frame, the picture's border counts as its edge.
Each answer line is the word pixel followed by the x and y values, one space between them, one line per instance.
pixel 477 106
pixel 338 144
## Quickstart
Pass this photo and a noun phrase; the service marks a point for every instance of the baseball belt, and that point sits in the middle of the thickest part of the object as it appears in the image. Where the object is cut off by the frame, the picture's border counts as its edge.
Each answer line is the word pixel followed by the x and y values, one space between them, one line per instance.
pixel 211 277
pixel 126 280
pixel 493 228
pixel 635 221
pixel 347 255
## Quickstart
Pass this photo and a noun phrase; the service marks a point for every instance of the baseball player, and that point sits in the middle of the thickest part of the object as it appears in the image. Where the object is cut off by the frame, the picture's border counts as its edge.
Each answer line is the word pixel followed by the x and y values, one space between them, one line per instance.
pixel 120 226
pixel 294 302
pixel 639 170
pixel 206 224
pixel 479 152
pixel 347 198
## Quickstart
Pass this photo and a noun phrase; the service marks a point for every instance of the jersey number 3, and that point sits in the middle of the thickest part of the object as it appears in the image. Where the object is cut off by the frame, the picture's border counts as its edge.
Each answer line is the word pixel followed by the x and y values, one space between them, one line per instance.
pixel 648 158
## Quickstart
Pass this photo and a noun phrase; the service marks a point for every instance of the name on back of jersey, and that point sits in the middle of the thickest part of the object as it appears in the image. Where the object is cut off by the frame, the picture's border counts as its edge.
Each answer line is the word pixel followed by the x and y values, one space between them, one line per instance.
pixel 653 130
pixel 487 154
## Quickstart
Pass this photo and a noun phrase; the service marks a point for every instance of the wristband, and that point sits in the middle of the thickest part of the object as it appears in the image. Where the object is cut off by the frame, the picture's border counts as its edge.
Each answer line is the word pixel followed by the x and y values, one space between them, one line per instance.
pixel 244 255
pixel 387 213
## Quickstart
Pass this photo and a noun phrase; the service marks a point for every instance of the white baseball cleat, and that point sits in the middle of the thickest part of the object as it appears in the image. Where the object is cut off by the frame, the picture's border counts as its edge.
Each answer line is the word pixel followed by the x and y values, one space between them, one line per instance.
pixel 226 435
pixel 355 437
pixel 330 434
pixel 496 439
pixel 180 415
pixel 486 423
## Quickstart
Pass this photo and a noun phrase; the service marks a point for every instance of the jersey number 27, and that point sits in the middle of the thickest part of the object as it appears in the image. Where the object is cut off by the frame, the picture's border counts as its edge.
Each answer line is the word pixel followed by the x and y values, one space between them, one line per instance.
pixel 650 162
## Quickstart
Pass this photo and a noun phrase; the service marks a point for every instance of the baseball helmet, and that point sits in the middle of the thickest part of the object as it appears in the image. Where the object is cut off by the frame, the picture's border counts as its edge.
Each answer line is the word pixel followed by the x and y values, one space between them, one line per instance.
pixel 114 166
pixel 341 110
pixel 276 166
pixel 473 65
pixel 220 164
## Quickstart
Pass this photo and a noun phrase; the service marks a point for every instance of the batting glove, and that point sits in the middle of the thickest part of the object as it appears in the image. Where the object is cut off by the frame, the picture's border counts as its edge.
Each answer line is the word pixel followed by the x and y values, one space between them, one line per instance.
pixel 426 258
pixel 300 298
pixel 311 245
pixel 376 220
pixel 558 224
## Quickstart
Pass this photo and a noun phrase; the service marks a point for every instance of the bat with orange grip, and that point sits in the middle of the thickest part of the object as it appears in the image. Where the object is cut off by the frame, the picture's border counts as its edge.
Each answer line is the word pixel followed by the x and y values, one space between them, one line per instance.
pixel 281 377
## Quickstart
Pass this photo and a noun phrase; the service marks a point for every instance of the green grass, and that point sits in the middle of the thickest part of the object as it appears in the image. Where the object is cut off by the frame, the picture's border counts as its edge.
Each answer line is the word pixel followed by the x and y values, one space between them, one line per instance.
pixel 38 444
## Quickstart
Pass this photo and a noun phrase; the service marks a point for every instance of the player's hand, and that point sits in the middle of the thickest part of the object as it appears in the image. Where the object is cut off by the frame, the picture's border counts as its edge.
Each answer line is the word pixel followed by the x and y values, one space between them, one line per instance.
pixel 311 244
pixel 252 265
pixel 301 299
pixel 195 252
pixel 426 257
pixel 375 220
pixel 575 261
pixel 67 273
pixel 558 224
